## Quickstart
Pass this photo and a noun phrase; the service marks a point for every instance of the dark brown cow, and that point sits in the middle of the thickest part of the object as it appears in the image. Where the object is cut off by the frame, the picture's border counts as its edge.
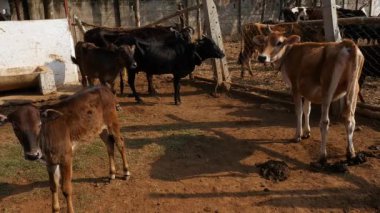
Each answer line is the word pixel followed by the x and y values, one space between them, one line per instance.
pixel 52 133
pixel 103 63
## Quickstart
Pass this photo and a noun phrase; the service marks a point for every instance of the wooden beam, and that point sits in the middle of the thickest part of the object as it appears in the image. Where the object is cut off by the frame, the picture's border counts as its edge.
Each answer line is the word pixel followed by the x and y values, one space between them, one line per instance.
pixel 174 15
pixel 221 73
pixel 330 21
pixel 137 13
pixel 116 8
pixel 78 22
pixel 341 21
pixel 48 9
pixel 199 19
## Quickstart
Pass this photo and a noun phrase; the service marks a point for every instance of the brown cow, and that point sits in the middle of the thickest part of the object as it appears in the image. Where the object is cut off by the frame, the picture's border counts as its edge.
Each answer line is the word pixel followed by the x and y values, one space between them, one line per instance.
pixel 52 133
pixel 319 73
pixel 103 63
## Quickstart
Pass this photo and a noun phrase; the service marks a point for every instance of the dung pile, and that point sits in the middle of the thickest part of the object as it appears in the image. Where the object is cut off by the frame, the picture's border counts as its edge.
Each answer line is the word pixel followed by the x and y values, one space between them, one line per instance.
pixel 274 170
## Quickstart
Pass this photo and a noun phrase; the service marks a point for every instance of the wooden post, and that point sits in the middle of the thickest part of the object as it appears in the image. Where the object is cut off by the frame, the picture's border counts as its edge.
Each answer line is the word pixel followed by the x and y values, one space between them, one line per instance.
pixel 332 34
pixel 187 20
pixel 374 8
pixel 221 73
pixel 263 11
pixel 356 4
pixel 137 13
pixel 116 8
pixel 17 6
pixel 239 17
pixel 48 9
pixel 67 14
pixel 25 10
pixel 182 16
pixel 32 8
pixel 199 20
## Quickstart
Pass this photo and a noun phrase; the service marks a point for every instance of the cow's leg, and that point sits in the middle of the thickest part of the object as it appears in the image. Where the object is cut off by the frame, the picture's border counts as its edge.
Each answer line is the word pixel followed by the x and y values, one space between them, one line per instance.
pixel 349 118
pixel 118 139
pixel 324 127
pixel 242 70
pixel 306 113
pixel 90 81
pixel 177 97
pixel 250 67
pixel 66 173
pixel 298 108
pixel 151 89
pixel 54 177
pixel 105 136
pixel 121 74
pixel 131 82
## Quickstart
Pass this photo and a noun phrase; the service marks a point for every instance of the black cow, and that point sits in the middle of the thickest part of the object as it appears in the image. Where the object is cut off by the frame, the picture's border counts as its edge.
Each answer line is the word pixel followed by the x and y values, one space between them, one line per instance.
pixel 103 37
pixel 176 56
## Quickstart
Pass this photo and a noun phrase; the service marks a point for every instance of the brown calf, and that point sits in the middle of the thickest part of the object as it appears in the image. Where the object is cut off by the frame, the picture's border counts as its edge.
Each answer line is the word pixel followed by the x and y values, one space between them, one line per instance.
pixel 52 133
pixel 320 73
pixel 104 63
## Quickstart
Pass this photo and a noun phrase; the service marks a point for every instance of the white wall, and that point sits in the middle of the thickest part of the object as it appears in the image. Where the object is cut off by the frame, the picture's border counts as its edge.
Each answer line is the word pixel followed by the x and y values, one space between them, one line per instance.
pixel 38 42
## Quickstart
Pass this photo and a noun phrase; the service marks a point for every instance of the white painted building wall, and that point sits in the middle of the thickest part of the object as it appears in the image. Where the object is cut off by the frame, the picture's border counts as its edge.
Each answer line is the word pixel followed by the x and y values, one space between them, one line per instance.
pixel 36 43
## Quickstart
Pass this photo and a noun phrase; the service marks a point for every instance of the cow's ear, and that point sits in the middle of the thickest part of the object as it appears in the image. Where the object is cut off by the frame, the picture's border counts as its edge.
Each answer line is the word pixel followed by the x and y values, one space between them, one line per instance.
pixel 293 39
pixel 3 119
pixel 259 40
pixel 50 114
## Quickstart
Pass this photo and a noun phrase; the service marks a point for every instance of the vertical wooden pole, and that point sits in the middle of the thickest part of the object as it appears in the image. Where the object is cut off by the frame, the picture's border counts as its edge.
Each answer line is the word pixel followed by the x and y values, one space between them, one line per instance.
pixel 332 34
pixel 374 8
pixel 17 6
pixel 263 10
pixel 239 17
pixel 187 21
pixel 356 4
pixel 32 7
pixel 137 13
pixel 116 8
pixel 221 73
pixel 25 9
pixel 48 9
pixel 182 16
pixel 67 14
pixel 199 20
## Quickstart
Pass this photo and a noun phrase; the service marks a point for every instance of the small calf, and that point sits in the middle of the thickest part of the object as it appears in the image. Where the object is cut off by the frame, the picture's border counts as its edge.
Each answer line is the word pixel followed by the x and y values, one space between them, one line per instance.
pixel 103 63
pixel 52 133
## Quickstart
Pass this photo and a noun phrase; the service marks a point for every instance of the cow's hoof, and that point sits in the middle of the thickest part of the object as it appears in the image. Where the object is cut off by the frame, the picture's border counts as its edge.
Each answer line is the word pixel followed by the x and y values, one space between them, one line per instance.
pixel 358 159
pixel 130 95
pixel 317 166
pixel 296 140
pixel 306 135
pixel 127 175
pixel 153 93
pixel 178 103
pixel 139 101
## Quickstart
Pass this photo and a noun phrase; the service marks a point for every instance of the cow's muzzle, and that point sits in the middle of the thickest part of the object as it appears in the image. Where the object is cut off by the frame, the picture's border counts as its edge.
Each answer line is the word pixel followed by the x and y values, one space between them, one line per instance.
pixel 32 156
pixel 134 65
pixel 262 58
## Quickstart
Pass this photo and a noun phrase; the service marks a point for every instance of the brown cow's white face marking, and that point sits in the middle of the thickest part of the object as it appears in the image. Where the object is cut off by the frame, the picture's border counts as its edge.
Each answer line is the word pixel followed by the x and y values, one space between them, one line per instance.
pixel 273 46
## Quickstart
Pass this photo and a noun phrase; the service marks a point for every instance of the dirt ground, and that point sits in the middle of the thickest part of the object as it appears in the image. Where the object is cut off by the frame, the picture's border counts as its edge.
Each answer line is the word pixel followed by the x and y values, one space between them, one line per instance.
pixel 200 157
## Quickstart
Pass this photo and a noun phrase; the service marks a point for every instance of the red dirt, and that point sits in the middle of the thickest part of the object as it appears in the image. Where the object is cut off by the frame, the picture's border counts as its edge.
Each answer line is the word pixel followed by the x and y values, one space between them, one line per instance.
pixel 201 156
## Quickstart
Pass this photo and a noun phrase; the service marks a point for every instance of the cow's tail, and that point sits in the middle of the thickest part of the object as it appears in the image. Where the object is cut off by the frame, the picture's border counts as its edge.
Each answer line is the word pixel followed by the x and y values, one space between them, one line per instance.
pixel 74 60
pixel 354 71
